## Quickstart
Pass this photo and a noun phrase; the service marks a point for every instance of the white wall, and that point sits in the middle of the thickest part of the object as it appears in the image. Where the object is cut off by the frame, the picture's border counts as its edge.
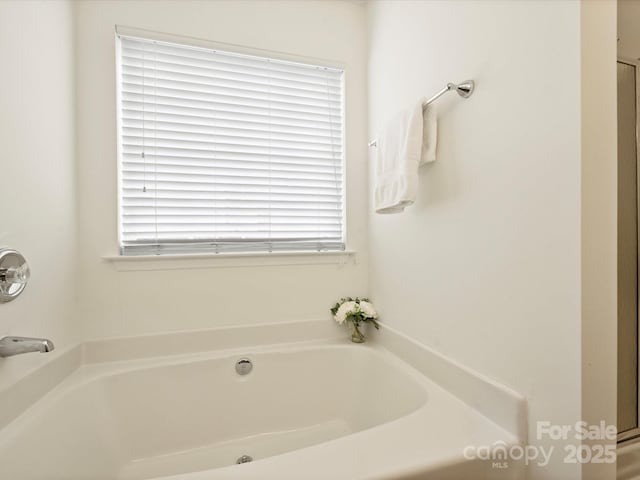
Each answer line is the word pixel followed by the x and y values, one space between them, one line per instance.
pixel 37 210
pixel 120 303
pixel 486 266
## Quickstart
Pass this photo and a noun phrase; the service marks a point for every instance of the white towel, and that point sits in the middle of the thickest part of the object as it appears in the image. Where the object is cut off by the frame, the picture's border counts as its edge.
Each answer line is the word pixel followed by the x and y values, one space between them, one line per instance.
pixel 429 135
pixel 407 142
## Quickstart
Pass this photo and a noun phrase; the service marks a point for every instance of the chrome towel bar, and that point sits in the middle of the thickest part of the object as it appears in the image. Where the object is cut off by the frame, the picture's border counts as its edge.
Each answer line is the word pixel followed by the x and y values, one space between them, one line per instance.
pixel 464 89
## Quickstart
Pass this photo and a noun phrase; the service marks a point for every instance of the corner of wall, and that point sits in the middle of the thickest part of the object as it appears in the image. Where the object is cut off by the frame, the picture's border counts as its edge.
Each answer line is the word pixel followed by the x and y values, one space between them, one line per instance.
pixel 599 220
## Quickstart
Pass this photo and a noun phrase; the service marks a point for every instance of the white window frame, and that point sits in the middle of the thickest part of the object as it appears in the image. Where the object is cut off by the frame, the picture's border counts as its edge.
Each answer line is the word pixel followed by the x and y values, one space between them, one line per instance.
pixel 292 256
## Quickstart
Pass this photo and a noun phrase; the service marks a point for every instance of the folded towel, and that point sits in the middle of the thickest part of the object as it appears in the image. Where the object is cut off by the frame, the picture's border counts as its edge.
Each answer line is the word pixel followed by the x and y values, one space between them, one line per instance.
pixel 429 135
pixel 407 142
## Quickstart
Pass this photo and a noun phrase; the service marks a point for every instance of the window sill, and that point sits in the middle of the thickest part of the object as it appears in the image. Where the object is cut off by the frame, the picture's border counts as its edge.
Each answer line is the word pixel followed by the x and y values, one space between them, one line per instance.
pixel 132 263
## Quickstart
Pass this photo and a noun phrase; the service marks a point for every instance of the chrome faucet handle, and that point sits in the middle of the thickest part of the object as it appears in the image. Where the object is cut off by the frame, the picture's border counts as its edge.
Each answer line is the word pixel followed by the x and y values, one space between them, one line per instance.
pixel 14 274
pixel 19 275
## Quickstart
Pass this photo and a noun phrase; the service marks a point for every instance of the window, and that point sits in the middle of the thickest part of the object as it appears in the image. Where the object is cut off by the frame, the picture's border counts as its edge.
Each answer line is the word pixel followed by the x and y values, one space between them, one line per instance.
pixel 226 152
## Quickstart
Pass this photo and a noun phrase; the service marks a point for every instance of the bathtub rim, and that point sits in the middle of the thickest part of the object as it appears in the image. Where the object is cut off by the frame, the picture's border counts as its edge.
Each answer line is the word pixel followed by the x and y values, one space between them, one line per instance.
pixel 503 406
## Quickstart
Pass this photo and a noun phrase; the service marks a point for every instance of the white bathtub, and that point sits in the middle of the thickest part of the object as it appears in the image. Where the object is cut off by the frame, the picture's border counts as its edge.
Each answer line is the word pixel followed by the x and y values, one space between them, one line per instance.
pixel 326 409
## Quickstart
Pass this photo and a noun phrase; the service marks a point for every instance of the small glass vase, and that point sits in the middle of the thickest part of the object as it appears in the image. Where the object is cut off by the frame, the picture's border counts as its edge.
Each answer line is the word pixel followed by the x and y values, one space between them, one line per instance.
pixel 356 335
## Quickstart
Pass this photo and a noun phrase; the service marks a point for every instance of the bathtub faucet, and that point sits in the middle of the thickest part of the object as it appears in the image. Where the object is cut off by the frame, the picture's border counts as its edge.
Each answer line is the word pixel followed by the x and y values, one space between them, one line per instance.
pixel 16 345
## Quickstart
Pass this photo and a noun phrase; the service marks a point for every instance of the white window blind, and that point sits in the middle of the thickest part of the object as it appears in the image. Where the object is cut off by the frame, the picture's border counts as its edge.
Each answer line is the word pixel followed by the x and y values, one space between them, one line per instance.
pixel 222 151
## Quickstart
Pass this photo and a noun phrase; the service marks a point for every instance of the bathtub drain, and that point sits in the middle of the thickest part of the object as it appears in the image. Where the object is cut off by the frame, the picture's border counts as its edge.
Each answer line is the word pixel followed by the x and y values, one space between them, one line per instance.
pixel 244 459
pixel 244 366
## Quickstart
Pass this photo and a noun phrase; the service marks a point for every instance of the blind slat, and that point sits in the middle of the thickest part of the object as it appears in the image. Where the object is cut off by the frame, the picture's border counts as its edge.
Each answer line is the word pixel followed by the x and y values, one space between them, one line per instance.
pixel 228 159
pixel 231 119
pixel 210 154
pixel 147 163
pixel 264 145
pixel 213 133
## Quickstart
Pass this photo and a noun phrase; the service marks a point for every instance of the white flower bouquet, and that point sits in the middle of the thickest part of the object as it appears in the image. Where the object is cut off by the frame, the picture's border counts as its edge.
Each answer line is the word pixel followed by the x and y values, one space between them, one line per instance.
pixel 355 311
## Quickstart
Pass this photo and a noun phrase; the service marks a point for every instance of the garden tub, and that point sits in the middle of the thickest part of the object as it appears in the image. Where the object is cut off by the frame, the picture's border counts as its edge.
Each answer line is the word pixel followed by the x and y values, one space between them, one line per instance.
pixel 315 409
